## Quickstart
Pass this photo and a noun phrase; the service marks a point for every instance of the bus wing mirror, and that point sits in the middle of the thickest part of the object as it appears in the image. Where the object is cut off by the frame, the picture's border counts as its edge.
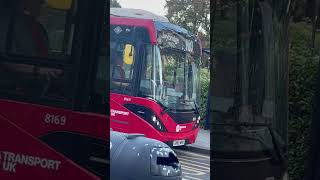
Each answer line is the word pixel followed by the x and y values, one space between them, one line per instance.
pixel 128 54
pixel 60 4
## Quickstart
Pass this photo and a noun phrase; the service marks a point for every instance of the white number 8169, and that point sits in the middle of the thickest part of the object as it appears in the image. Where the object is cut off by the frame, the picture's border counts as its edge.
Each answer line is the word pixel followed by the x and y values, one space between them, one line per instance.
pixel 55 119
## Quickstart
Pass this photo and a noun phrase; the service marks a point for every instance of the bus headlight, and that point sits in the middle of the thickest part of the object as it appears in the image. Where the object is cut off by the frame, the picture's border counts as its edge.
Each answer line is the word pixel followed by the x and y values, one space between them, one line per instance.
pixel 155 122
pixel 164 162
pixel 196 122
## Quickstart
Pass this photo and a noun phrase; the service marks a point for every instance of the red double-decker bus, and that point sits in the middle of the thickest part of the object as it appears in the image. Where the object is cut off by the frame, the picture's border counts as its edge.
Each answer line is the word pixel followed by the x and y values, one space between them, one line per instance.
pixel 154 77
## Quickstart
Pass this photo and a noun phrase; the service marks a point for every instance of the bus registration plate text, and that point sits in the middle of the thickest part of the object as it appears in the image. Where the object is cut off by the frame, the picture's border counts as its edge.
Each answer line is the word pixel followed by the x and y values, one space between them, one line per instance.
pixel 179 142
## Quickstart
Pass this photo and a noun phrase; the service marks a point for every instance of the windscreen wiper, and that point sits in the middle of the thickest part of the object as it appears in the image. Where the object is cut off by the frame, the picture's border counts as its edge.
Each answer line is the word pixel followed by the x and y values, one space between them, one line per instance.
pixel 196 107
pixel 166 109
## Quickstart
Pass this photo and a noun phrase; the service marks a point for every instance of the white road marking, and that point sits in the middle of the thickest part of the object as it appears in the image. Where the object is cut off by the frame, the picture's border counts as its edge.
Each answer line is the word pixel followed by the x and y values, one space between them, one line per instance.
pixel 194 165
pixel 193 178
pixel 195 169
pixel 196 162
pixel 192 154
pixel 195 158
pixel 195 173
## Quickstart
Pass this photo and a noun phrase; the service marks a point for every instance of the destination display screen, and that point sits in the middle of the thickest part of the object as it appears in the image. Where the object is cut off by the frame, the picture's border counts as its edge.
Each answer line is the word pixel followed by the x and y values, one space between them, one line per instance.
pixel 170 39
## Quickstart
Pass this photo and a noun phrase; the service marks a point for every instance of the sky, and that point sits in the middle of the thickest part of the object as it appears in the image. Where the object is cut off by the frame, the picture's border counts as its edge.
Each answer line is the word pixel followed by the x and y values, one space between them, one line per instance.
pixel 155 6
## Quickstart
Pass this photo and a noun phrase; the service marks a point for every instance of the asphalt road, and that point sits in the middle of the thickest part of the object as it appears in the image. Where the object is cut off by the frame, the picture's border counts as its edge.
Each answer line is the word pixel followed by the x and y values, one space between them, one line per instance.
pixel 194 166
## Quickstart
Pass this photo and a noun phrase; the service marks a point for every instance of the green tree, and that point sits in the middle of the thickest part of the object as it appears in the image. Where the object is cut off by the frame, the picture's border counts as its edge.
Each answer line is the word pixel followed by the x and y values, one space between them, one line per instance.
pixel 194 15
pixel 115 4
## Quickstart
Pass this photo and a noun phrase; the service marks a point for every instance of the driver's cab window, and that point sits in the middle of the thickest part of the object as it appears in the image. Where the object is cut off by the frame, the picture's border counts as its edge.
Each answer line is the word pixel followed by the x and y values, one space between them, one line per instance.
pixel 174 71
pixel 122 64
pixel 35 35
pixel 151 72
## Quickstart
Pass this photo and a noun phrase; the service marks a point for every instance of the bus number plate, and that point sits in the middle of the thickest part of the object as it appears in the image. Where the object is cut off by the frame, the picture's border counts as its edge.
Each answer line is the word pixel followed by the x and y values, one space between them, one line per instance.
pixel 179 142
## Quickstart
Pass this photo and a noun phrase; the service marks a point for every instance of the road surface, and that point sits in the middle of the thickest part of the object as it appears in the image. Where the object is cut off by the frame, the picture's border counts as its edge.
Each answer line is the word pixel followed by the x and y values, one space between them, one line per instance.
pixel 194 166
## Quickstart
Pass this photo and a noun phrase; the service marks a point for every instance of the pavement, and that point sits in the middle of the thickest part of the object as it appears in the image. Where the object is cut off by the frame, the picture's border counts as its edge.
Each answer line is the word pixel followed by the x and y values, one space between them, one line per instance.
pixel 202 144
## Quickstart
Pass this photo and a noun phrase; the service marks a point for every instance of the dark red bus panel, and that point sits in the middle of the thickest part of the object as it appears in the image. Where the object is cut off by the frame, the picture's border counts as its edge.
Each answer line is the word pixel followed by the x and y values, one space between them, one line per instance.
pixel 24 157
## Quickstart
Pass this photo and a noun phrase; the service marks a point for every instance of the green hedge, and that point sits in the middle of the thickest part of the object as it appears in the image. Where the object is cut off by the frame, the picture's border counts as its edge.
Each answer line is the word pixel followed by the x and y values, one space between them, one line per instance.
pixel 302 69
pixel 204 87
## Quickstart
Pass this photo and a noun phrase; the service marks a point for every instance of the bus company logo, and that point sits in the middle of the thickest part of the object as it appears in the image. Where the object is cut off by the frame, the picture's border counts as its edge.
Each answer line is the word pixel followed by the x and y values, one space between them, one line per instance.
pixel 179 128
pixel 117 30
pixel 113 112
pixel 10 160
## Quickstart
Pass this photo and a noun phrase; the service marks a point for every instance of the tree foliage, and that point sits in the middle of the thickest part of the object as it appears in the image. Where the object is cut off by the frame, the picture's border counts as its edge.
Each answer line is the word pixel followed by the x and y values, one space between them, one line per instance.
pixel 303 66
pixel 194 15
pixel 115 4
pixel 204 88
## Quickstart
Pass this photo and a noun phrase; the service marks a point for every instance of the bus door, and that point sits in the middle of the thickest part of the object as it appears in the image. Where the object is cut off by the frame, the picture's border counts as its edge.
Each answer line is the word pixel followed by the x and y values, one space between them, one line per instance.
pixel 125 59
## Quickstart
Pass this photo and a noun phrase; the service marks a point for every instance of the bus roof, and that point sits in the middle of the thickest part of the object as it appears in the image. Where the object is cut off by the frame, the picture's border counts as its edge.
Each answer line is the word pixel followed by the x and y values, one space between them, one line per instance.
pixel 152 22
